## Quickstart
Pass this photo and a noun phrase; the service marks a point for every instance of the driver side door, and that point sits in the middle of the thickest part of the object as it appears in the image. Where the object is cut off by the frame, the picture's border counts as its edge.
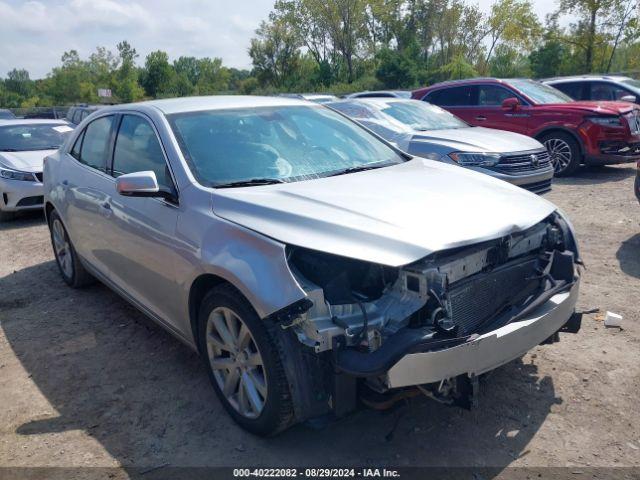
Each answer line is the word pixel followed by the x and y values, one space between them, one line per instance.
pixel 141 231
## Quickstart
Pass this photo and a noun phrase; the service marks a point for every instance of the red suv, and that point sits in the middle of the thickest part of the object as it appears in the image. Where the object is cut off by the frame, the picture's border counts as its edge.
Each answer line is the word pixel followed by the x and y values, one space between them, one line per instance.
pixel 574 132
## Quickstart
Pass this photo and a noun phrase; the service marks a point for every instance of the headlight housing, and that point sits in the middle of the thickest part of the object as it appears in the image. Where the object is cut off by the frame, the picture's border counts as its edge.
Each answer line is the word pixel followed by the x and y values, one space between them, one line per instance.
pixel 475 159
pixel 11 174
pixel 606 121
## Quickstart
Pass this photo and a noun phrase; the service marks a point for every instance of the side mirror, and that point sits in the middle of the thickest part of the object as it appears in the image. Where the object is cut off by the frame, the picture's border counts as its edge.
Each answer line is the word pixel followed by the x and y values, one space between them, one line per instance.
pixel 629 98
pixel 139 184
pixel 511 103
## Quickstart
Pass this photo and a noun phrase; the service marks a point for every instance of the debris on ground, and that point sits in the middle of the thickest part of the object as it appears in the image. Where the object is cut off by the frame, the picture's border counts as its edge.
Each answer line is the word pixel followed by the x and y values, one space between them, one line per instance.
pixel 612 320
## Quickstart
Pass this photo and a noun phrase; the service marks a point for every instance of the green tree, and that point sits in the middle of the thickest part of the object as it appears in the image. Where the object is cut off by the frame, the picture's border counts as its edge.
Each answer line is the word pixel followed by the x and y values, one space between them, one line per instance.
pixel 18 82
pixel 395 69
pixel 126 76
pixel 158 74
pixel 274 53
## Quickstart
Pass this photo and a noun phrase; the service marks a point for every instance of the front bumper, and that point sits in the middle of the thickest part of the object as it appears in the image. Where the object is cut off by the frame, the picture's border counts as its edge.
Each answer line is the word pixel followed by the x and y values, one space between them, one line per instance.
pixel 16 195
pixel 487 351
pixel 537 181
pixel 612 153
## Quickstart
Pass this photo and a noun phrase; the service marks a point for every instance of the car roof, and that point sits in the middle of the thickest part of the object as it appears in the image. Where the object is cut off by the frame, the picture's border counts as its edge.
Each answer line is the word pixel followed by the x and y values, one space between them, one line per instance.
pixel 573 78
pixel 214 102
pixel 32 121
pixel 374 92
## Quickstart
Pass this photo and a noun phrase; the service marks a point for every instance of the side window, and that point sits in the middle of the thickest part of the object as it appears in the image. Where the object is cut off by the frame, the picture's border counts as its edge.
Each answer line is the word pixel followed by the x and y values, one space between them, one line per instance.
pixel 454 97
pixel 574 89
pixel 607 91
pixel 138 150
pixel 493 95
pixel 75 151
pixel 96 143
pixel 77 117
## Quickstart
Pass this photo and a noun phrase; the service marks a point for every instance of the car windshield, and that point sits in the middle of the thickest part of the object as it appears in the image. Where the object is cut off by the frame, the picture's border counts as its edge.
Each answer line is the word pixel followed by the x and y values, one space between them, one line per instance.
pixel 42 136
pixel 539 92
pixel 421 115
pixel 280 143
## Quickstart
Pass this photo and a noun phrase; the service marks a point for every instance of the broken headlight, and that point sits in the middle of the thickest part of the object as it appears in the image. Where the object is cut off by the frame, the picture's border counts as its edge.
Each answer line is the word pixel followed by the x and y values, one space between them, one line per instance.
pixel 343 280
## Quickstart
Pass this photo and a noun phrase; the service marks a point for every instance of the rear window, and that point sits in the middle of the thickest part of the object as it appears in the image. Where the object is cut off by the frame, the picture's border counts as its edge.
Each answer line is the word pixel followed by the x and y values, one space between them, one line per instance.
pixel 453 97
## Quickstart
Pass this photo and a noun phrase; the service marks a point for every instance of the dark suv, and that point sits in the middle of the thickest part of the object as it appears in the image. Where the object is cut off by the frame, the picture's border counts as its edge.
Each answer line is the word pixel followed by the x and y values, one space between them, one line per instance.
pixel 598 87
pixel 78 113
pixel 574 132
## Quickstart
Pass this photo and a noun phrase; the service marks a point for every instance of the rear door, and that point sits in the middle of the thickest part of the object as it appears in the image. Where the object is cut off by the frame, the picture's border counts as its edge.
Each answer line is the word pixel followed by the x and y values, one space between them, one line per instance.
pixel 493 115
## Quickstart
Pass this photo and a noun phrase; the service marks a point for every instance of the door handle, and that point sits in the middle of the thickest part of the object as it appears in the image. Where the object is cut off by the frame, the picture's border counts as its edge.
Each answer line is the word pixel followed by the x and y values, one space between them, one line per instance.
pixel 481 118
pixel 106 206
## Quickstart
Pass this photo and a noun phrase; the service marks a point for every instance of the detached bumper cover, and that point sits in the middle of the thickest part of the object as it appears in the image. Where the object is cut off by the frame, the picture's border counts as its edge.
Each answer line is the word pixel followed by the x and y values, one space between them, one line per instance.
pixel 489 350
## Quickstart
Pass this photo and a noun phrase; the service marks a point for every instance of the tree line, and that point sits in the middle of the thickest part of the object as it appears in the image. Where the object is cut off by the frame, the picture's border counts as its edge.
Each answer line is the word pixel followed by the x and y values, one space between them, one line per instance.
pixel 348 45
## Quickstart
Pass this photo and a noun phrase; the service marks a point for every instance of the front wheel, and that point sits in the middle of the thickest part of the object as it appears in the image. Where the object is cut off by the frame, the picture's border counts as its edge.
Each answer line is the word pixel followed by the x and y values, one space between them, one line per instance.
pixel 244 363
pixel 564 152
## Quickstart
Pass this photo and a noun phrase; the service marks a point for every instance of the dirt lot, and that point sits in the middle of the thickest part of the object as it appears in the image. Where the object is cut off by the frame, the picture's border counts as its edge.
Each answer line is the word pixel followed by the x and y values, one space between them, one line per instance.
pixel 86 380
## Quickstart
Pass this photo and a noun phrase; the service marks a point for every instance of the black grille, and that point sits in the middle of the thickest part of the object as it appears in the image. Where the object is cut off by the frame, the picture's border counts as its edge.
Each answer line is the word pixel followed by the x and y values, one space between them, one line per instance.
pixel 30 201
pixel 482 296
pixel 526 162
pixel 39 176
pixel 538 187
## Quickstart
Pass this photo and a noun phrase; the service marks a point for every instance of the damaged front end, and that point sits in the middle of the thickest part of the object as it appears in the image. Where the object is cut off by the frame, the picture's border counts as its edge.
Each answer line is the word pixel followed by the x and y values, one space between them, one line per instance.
pixel 454 314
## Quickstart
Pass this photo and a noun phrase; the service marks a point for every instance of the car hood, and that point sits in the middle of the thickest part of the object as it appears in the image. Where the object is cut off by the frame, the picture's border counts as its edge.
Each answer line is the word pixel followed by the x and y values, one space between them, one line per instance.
pixel 391 216
pixel 602 107
pixel 30 161
pixel 478 139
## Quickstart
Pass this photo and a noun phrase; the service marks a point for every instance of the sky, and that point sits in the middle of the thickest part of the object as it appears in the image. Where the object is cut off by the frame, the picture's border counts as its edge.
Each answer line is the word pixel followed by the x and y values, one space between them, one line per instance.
pixel 35 33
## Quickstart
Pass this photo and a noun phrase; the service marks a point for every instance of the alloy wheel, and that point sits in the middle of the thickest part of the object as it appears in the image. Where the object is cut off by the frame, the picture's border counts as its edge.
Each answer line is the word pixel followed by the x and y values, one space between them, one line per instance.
pixel 560 153
pixel 62 248
pixel 236 362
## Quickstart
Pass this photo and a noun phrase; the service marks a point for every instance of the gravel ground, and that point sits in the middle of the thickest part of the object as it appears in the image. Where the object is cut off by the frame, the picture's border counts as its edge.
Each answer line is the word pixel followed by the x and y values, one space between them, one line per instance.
pixel 86 380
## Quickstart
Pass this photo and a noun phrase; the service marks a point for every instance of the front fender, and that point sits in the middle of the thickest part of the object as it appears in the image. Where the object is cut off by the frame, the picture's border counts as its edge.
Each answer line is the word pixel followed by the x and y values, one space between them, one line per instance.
pixel 254 264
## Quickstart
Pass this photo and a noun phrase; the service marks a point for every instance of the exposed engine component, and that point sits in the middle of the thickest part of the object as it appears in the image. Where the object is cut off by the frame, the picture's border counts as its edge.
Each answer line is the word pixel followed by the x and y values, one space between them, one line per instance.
pixel 450 294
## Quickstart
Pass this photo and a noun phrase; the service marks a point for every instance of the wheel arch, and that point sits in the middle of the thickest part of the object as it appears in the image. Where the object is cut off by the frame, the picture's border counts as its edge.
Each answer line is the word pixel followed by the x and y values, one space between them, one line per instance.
pixel 48 208
pixel 546 131
pixel 202 285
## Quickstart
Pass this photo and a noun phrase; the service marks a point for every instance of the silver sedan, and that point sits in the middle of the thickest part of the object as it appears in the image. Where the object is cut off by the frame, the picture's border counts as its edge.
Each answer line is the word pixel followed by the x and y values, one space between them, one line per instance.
pixel 305 259
pixel 426 130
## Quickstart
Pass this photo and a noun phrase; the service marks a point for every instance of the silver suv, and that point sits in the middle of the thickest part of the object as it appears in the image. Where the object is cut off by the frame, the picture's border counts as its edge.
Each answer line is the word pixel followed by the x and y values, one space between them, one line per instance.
pixel 305 259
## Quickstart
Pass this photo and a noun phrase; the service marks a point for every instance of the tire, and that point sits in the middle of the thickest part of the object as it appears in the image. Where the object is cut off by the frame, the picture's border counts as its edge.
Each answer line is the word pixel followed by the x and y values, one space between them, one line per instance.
pixel 253 372
pixel 69 264
pixel 6 216
pixel 564 151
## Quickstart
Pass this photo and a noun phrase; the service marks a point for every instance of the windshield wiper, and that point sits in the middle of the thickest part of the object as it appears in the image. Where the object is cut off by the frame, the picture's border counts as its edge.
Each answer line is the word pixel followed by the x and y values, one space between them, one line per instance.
pixel 359 168
pixel 9 150
pixel 251 182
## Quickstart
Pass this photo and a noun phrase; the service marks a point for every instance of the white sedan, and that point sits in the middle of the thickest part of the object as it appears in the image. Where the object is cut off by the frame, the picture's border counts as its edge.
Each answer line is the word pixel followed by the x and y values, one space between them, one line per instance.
pixel 23 146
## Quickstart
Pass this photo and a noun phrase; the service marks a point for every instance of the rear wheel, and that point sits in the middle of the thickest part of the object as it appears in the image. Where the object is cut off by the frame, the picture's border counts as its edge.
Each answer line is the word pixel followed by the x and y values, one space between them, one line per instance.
pixel 564 152
pixel 244 363
pixel 70 266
